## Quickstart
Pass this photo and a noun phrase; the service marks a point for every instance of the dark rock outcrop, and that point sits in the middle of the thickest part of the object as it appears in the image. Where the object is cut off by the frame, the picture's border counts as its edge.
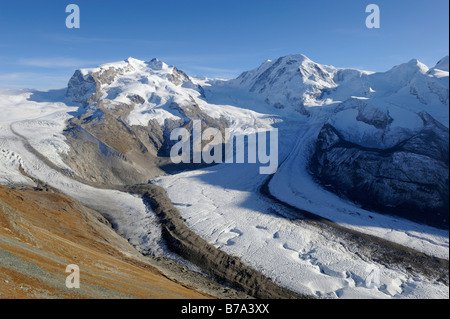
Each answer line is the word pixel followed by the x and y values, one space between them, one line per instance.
pixel 410 179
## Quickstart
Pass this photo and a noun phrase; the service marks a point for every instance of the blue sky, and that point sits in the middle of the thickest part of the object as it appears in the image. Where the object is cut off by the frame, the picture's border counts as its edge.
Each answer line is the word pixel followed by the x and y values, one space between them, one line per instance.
pixel 217 38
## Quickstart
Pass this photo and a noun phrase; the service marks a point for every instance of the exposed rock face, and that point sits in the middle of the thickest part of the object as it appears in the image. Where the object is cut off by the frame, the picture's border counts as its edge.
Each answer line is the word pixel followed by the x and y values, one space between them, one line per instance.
pixel 189 245
pixel 373 116
pixel 85 87
pixel 409 179
pixel 81 88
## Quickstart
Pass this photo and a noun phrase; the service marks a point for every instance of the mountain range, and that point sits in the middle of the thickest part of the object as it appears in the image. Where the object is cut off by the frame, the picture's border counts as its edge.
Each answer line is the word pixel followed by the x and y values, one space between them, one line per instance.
pixel 362 176
pixel 383 142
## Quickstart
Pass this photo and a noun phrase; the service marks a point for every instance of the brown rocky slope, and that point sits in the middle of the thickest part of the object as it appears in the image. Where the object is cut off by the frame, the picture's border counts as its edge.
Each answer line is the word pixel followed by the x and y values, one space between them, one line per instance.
pixel 38 240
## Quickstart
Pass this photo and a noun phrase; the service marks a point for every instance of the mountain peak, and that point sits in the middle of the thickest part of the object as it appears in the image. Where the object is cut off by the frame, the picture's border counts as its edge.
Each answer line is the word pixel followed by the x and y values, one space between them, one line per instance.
pixel 134 79
pixel 417 64
pixel 442 64
pixel 154 64
pixel 296 60
pixel 297 57
pixel 157 65
pixel 131 60
pixel 413 62
pixel 406 70
pixel 293 80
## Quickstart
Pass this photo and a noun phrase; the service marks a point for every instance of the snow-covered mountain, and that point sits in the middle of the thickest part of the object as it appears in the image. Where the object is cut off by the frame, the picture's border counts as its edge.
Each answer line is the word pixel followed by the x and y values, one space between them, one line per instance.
pixel 352 144
pixel 393 119
pixel 289 82
pixel 129 108
pixel 383 141
pixel 297 82
pixel 153 87
pixel 292 81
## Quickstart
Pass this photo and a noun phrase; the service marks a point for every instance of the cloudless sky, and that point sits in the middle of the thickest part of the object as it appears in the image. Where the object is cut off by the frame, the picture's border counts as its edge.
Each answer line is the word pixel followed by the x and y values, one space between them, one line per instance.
pixel 216 38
